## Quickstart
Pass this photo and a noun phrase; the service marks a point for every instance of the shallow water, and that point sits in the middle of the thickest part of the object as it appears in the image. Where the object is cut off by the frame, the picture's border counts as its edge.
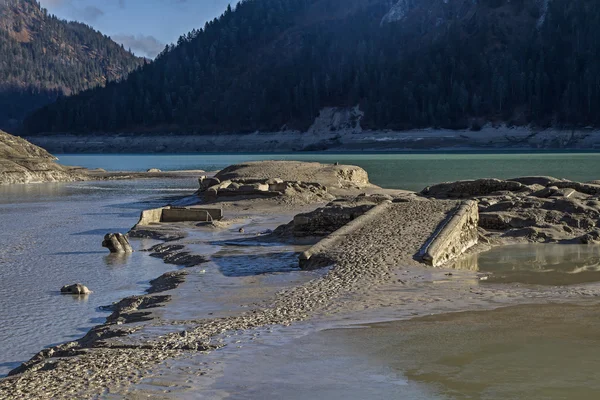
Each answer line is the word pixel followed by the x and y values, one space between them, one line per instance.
pixel 410 171
pixel 532 352
pixel 541 264
pixel 51 236
pixel 522 352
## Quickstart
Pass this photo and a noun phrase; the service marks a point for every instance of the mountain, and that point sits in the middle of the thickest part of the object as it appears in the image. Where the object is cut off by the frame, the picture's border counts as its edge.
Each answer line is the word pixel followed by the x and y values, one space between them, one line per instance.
pixel 43 58
pixel 269 65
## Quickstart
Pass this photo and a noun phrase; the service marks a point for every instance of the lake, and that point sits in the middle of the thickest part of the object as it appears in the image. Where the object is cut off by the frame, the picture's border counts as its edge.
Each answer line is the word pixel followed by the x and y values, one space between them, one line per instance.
pixel 51 233
pixel 400 171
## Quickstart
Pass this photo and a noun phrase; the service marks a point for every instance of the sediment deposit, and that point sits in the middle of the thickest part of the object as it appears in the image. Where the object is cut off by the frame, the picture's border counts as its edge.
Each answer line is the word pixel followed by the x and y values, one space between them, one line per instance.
pixel 372 240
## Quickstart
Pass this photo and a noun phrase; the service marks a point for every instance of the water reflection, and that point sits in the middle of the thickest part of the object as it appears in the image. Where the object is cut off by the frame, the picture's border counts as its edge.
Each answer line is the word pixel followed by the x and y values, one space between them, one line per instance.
pixel 543 264
pixel 117 259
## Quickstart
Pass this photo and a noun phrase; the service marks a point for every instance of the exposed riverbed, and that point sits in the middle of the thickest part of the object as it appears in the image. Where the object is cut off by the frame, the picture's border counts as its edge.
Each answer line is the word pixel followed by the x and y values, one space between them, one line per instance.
pixel 57 229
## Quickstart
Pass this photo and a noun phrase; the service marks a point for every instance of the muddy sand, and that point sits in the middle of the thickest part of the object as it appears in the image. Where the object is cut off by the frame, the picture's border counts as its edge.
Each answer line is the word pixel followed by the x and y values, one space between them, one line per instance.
pixel 374 273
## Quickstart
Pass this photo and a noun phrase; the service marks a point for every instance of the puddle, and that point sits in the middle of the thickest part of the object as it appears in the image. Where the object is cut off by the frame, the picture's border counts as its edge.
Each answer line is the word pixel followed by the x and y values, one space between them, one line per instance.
pixel 523 352
pixel 541 264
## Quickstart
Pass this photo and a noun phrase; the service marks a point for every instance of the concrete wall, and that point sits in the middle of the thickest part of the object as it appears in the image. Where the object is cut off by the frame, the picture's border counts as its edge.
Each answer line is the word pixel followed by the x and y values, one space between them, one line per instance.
pixel 191 214
pixel 310 258
pixel 169 214
pixel 151 216
pixel 457 235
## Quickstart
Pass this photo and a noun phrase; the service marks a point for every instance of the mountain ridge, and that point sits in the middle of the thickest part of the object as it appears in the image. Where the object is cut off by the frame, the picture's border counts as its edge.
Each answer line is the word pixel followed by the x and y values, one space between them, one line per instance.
pixel 273 65
pixel 43 57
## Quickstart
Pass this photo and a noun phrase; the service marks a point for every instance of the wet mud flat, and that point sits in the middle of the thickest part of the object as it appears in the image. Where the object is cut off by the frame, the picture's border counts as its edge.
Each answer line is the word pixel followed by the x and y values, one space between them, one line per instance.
pixel 374 270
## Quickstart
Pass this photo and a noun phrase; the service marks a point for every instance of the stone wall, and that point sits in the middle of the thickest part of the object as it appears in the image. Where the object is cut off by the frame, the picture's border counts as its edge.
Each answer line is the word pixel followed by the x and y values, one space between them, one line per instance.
pixel 191 214
pixel 327 220
pixel 457 235
pixel 179 214
pixel 152 216
pixel 310 258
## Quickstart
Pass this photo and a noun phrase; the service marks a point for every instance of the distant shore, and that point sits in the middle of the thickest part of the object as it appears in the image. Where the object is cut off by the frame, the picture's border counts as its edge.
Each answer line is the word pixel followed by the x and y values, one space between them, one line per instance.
pixel 488 138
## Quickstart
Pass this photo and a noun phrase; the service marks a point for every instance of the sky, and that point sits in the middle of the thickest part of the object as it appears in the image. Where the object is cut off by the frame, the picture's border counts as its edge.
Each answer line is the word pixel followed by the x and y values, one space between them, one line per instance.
pixel 144 26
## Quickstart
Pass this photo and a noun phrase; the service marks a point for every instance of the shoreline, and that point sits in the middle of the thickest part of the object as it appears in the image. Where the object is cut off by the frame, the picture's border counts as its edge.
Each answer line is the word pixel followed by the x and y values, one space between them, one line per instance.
pixel 358 281
pixel 489 138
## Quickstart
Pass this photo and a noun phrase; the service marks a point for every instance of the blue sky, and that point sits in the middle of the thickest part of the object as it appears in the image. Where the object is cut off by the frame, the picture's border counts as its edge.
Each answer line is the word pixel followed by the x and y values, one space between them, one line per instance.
pixel 145 26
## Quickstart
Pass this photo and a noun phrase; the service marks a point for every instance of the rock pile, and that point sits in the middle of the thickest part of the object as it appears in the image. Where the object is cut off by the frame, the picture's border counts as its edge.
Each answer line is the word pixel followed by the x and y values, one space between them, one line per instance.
pixel 213 188
pixel 542 209
pixel 329 175
pixel 325 220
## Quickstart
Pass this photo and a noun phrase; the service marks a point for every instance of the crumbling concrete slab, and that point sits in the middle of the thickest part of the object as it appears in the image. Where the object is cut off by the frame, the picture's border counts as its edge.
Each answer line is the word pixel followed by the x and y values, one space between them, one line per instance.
pixel 455 237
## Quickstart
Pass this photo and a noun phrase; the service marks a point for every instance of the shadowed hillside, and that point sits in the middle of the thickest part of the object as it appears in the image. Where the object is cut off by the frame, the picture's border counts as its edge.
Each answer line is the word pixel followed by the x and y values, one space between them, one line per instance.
pixel 274 64
pixel 43 57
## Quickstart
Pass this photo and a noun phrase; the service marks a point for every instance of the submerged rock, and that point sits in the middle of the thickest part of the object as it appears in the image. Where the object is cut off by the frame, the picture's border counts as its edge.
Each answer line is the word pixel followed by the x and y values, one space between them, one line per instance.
pixel 75 289
pixel 117 243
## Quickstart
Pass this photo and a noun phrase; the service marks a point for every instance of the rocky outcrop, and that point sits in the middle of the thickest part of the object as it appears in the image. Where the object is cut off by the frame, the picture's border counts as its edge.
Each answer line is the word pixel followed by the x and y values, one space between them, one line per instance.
pixel 328 175
pixel 539 209
pixel 117 243
pixel 465 189
pixel 75 289
pixel 23 162
pixel 308 182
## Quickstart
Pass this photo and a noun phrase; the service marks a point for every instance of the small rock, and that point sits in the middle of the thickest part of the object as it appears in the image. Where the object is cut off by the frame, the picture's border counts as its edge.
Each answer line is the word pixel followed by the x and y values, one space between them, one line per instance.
pixel 75 289
pixel 241 230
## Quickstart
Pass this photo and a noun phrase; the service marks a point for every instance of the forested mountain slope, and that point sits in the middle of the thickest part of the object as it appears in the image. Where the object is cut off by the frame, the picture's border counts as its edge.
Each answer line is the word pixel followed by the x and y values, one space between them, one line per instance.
pixel 273 64
pixel 43 57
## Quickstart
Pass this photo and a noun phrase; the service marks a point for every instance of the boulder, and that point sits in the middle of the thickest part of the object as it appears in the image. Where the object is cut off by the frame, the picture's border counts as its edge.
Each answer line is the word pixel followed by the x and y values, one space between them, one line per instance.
pixel 472 188
pixel 535 180
pixel 154 170
pixel 117 243
pixel 206 183
pixel 278 186
pixel 75 289
pixel 592 237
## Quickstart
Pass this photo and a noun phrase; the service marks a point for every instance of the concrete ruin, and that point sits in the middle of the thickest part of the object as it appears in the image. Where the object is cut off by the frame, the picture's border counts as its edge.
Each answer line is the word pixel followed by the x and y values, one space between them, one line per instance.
pixel 179 214
pixel 309 259
pixel 213 189
pixel 534 209
pixel 456 235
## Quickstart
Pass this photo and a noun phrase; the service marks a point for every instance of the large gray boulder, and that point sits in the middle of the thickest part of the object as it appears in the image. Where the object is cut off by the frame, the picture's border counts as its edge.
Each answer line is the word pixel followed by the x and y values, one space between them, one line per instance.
pixel 117 243
pixel 75 289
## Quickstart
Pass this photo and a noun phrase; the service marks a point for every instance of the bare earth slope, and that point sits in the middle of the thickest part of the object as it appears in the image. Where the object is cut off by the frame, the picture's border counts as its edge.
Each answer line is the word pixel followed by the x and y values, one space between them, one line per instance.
pixel 23 162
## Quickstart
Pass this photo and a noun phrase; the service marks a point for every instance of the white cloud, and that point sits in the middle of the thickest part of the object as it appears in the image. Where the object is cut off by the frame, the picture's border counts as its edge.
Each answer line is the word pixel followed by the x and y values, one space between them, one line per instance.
pixel 142 45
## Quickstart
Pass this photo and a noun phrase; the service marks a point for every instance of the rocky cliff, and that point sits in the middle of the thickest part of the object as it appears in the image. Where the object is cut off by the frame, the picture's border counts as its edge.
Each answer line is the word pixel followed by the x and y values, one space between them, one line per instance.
pixel 23 162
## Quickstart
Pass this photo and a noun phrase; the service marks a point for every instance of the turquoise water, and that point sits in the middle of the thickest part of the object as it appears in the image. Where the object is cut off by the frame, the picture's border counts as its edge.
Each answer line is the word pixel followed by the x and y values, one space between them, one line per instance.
pixel 399 171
